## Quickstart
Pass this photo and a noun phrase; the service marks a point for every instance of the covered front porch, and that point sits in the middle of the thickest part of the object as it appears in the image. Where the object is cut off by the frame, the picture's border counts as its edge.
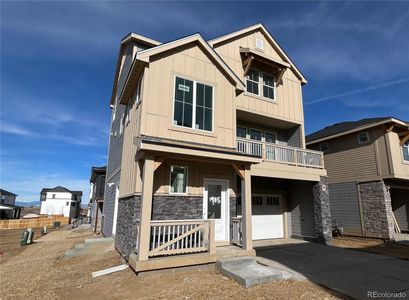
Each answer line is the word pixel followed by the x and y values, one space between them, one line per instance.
pixel 183 214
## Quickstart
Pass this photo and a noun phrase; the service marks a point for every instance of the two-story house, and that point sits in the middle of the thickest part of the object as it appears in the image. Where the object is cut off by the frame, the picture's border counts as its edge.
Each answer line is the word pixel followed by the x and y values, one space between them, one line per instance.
pixel 96 196
pixel 207 149
pixel 368 173
pixel 60 201
pixel 8 209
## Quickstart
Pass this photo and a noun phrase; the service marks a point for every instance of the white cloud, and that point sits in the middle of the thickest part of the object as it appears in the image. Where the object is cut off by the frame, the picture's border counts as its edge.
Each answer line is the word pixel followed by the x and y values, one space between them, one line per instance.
pixel 14 129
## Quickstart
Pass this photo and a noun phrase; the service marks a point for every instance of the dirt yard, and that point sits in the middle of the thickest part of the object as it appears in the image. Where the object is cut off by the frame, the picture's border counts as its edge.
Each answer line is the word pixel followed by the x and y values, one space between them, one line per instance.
pixel 41 272
pixel 378 246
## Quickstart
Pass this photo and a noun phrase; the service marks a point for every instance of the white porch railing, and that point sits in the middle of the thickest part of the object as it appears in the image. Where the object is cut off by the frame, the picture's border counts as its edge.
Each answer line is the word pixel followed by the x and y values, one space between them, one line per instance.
pixel 172 237
pixel 281 153
pixel 236 236
pixel 250 147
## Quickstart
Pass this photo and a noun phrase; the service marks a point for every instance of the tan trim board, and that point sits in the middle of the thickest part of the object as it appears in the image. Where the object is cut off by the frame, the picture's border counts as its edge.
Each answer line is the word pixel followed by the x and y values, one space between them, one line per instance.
pixel 266 57
pixel 197 152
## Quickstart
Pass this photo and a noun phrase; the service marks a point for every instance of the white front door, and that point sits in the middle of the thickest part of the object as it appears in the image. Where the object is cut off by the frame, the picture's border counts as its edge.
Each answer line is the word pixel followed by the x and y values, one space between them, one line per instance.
pixel 216 206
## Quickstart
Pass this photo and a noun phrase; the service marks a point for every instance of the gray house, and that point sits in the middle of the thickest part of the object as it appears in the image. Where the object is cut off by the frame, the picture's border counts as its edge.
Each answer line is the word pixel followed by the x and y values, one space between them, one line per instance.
pixel 96 200
pixel 7 208
pixel 368 173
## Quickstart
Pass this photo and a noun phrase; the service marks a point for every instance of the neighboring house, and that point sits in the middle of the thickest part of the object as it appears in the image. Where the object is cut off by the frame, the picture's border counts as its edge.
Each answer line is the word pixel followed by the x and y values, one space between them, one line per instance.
pixel 96 196
pixel 60 201
pixel 8 209
pixel 368 173
pixel 207 147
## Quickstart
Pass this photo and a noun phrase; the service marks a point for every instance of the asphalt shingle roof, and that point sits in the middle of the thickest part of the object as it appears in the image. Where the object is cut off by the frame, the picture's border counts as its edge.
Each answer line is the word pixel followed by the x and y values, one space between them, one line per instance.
pixel 342 127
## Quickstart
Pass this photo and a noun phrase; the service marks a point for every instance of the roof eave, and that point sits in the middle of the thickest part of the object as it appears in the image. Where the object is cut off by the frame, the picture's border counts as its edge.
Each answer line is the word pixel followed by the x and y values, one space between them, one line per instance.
pixel 368 126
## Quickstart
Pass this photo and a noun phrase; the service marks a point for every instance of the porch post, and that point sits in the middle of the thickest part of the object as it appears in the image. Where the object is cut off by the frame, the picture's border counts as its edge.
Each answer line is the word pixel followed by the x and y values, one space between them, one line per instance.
pixel 246 210
pixel 146 209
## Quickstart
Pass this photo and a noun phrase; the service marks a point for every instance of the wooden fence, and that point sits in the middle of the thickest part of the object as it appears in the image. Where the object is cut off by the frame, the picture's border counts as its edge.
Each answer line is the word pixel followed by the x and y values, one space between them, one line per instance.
pixel 33 223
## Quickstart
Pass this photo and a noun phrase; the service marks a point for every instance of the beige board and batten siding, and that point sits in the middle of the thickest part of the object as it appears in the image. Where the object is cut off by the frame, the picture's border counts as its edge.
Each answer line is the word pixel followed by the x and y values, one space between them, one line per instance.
pixel 197 172
pixel 288 103
pixel 189 62
pixel 400 168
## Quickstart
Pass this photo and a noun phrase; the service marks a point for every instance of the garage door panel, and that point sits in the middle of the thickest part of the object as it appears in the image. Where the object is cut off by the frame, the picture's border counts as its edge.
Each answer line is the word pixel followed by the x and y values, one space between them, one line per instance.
pixel 267 218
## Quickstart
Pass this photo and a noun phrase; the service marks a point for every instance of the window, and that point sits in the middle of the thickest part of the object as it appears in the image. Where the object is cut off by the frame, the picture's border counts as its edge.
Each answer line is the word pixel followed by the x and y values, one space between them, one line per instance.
pixel 257 80
pixel 73 203
pixel 259 44
pixel 53 196
pixel 255 134
pixel 257 200
pixel 324 147
pixel 405 151
pixel 363 137
pixel 138 90
pixel 67 203
pixel 253 81
pixel 270 137
pixel 204 104
pixel 268 86
pixel 241 132
pixel 178 179
pixel 273 201
pixel 193 104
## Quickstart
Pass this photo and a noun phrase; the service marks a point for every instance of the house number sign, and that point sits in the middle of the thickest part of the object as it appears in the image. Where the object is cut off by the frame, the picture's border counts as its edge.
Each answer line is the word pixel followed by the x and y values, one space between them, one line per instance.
pixel 184 88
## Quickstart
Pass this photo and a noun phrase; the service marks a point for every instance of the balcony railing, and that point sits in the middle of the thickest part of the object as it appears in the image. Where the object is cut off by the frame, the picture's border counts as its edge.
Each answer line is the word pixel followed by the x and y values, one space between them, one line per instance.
pixel 281 153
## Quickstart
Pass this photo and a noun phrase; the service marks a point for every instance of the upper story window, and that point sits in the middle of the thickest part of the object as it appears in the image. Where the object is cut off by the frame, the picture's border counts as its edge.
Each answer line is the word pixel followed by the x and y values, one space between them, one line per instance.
pixel 255 134
pixel 260 84
pixel 363 137
pixel 270 137
pixel 193 105
pixel 324 147
pixel 53 196
pixel 405 151
pixel 241 132
pixel 178 180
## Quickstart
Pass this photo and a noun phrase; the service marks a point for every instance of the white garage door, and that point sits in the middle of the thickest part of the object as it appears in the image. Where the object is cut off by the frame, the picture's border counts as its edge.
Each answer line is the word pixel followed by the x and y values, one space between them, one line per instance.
pixel 267 217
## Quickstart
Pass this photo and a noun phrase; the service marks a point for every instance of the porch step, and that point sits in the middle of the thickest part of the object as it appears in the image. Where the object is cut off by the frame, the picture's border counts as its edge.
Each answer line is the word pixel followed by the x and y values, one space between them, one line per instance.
pixel 247 271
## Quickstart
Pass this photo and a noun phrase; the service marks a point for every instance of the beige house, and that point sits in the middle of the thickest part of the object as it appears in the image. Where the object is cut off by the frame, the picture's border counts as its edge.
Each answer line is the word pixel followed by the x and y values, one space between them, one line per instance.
pixel 207 150
pixel 368 174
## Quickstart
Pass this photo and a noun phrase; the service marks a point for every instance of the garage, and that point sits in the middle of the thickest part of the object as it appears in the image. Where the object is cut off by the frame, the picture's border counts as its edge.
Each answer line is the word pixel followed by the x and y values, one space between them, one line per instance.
pixel 267 216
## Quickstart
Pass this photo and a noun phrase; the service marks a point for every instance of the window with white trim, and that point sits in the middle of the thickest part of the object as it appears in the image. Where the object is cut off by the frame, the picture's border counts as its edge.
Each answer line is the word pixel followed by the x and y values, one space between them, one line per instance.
pixel 363 137
pixel 178 180
pixel 260 84
pixel 405 151
pixel 253 77
pixel 193 105
pixel 268 86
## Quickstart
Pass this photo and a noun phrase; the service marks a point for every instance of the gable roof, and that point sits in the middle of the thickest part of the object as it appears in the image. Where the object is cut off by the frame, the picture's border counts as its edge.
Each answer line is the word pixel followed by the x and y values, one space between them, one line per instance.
pixel 129 37
pixel 145 54
pixel 142 59
pixel 260 27
pixel 343 128
pixel 4 192
pixel 60 189
pixel 97 171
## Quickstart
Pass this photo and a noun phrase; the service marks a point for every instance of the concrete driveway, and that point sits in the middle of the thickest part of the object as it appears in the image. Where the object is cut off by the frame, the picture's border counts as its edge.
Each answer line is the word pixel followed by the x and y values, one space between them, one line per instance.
pixel 350 272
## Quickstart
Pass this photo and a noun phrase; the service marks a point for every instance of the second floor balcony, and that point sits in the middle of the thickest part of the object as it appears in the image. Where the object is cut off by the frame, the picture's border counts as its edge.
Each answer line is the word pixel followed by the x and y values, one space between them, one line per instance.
pixel 281 153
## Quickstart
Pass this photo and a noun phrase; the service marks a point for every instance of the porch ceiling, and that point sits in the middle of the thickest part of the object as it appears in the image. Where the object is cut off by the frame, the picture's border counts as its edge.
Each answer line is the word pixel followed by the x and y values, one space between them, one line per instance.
pixel 264 120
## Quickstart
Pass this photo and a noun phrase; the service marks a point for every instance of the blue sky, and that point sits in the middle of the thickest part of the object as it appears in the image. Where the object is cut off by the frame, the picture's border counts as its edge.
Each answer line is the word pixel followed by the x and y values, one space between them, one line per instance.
pixel 58 61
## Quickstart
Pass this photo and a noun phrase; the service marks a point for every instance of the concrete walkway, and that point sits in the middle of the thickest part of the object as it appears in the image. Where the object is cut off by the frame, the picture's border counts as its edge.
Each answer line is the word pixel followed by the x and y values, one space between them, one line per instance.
pixel 350 272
